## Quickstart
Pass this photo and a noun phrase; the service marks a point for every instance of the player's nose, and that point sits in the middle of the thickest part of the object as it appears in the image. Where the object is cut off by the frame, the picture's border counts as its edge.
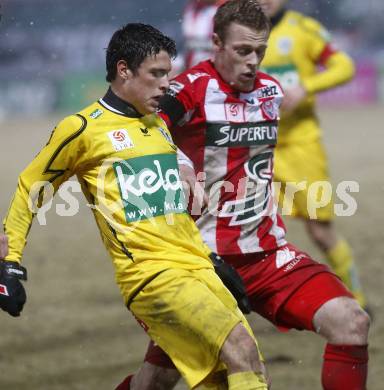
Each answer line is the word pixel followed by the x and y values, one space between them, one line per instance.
pixel 252 60
pixel 164 83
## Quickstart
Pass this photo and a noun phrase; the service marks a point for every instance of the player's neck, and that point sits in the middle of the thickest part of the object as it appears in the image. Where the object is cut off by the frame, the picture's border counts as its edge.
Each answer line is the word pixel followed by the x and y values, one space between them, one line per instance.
pixel 113 99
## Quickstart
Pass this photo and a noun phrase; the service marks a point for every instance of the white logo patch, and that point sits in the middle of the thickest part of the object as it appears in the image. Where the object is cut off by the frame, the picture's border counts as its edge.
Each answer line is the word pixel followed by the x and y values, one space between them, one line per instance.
pixel 284 257
pixel 120 139
pixel 175 87
pixel 285 45
pixel 234 112
pixel 194 76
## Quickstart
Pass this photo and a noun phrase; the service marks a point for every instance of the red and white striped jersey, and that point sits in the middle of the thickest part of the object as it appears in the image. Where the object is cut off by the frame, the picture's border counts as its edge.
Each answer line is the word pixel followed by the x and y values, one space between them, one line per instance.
pixel 231 137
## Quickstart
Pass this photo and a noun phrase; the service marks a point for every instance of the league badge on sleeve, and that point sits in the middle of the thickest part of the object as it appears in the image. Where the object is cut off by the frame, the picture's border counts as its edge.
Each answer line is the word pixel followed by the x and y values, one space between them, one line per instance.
pixel 174 88
pixel 95 114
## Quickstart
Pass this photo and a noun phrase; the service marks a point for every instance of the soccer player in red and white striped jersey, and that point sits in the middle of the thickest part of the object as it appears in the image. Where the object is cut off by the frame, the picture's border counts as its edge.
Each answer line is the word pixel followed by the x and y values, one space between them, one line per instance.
pixel 230 136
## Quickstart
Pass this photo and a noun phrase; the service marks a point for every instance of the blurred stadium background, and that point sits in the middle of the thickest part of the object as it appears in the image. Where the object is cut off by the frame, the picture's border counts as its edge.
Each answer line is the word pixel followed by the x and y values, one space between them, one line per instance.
pixel 74 333
pixel 52 52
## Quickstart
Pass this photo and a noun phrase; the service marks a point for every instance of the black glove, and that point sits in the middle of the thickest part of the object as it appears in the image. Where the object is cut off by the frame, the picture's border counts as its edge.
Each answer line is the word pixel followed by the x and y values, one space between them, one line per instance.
pixel 12 293
pixel 233 281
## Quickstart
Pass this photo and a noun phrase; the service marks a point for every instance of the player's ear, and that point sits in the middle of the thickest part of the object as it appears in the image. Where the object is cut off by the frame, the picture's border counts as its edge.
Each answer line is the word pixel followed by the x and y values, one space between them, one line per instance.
pixel 123 70
pixel 217 42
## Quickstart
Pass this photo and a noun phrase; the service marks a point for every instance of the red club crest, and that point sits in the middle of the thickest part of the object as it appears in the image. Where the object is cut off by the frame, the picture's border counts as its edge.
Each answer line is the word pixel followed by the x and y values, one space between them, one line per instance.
pixel 269 109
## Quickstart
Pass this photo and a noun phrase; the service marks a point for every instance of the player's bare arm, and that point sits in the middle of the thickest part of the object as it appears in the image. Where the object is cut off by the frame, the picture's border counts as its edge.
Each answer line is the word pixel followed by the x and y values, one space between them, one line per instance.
pixel 292 98
pixel 3 246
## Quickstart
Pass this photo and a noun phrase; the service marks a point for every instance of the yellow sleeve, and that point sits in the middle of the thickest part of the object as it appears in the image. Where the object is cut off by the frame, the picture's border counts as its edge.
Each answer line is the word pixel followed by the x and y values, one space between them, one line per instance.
pixel 339 67
pixel 55 163
pixel 207 249
pixel 318 37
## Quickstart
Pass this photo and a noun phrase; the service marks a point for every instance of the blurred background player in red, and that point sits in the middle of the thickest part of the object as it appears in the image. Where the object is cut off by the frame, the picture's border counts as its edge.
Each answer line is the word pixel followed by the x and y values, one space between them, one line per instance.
pixel 197 31
pixel 297 47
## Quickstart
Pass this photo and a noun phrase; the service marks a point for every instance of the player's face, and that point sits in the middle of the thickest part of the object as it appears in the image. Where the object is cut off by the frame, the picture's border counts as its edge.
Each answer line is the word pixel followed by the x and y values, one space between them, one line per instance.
pixel 272 7
pixel 148 84
pixel 238 57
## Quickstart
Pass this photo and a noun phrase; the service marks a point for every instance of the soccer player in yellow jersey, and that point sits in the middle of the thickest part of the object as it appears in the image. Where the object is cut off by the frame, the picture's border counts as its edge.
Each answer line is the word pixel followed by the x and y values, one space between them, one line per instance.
pixel 297 46
pixel 125 160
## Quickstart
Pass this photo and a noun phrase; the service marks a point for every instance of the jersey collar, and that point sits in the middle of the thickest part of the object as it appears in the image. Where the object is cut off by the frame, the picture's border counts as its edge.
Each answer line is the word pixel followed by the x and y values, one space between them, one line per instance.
pixel 112 102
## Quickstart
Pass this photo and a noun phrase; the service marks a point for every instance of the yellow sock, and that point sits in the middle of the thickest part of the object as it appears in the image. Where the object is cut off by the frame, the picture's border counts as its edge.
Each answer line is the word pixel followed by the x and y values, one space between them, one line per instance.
pixel 247 381
pixel 341 260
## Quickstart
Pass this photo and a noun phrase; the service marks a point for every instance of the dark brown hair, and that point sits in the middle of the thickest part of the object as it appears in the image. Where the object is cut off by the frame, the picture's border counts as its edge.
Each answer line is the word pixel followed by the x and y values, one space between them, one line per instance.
pixel 133 43
pixel 245 12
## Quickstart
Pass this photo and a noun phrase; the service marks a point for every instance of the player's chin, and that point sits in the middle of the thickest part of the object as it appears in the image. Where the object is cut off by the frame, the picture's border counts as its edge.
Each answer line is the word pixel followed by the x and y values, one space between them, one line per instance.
pixel 150 108
pixel 245 86
pixel 153 104
pixel 245 82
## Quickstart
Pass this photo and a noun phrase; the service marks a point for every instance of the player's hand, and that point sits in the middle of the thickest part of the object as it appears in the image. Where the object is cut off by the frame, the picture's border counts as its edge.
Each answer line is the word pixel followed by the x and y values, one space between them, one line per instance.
pixel 292 98
pixel 12 293
pixel 194 189
pixel 233 281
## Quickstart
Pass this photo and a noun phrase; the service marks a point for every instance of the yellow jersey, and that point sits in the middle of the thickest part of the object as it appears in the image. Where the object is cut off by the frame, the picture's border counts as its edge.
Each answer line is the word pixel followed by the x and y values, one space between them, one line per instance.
pixel 297 46
pixel 127 167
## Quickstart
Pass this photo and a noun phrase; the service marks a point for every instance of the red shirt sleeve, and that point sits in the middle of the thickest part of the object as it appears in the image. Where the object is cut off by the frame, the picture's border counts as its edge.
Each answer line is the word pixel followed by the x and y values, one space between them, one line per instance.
pixel 178 101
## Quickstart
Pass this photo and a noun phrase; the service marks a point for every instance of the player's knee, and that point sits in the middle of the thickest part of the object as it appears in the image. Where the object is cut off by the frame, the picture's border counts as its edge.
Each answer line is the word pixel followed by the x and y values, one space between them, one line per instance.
pixel 360 322
pixel 167 381
pixel 153 377
pixel 343 321
pixel 356 326
pixel 239 351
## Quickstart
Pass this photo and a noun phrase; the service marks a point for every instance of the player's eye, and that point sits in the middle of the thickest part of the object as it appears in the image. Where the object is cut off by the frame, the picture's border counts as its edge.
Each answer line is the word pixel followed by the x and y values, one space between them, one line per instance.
pixel 243 51
pixel 260 52
pixel 158 73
